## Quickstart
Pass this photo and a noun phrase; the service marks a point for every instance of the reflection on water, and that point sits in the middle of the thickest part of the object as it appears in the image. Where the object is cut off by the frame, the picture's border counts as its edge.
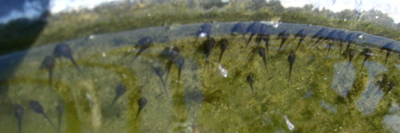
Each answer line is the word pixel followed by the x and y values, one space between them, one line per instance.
pixel 154 80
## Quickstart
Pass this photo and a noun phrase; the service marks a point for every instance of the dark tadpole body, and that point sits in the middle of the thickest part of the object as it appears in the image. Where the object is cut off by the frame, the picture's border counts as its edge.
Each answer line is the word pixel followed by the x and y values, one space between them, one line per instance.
pixel 49 63
pixel 284 35
pixel 250 80
pixel 342 37
pixel 172 53
pixel 367 53
pixel 261 52
pixel 239 28
pixel 223 43
pixel 321 34
pixel 208 46
pixel 142 103
pixel 63 50
pixel 204 30
pixel 301 34
pixel 388 47
pixel 160 73
pixel 144 44
pixel 291 59
pixel 121 89
pixel 332 36
pixel 179 61
pixel 19 114
pixel 253 29
pixel 37 108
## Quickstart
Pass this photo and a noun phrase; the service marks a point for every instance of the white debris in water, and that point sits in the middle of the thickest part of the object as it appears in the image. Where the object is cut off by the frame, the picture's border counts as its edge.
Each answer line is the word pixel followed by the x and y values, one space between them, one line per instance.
pixel 288 123
pixel 223 71
pixel 103 54
pixel 274 24
pixel 202 34
pixel 91 37
pixel 225 1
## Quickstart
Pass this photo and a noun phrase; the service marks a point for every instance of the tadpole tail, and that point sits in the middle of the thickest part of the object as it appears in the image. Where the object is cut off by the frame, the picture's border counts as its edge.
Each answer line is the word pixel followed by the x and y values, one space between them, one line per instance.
pixel 248 41
pixel 266 45
pixel 165 89
pixel 283 41
pixel 290 72
pixel 265 63
pixel 329 47
pixel 47 118
pixel 137 114
pixel 220 56
pixel 76 65
pixel 348 65
pixel 205 65
pixel 59 122
pixel 251 87
pixel 244 38
pixel 112 104
pixel 19 125
pixel 348 46
pixel 387 55
pixel 50 77
pixel 137 55
pixel 169 65
pixel 298 45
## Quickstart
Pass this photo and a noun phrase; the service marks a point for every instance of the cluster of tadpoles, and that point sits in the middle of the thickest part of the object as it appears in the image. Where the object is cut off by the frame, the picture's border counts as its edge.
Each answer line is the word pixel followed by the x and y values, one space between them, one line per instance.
pixel 172 55
pixel 261 30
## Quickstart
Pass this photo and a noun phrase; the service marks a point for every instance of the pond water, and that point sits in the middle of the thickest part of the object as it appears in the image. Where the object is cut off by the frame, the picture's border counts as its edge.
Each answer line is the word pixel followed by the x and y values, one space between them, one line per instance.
pixel 326 91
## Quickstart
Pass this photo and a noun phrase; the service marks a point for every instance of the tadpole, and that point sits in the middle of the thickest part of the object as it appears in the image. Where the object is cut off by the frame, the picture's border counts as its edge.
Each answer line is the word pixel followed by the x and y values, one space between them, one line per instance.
pixel 321 34
pixel 265 38
pixel 261 52
pixel 291 59
pixel 63 50
pixel 37 108
pixel 250 80
pixel 144 44
pixel 18 114
pixel 208 46
pixel 142 103
pixel 284 35
pixel 223 43
pixel 121 89
pixel 388 47
pixel 239 28
pixel 301 34
pixel 253 29
pixel 160 73
pixel 49 63
pixel 342 37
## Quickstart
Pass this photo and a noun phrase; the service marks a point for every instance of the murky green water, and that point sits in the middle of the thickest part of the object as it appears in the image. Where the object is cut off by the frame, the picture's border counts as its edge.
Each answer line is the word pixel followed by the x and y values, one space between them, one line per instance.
pixel 326 94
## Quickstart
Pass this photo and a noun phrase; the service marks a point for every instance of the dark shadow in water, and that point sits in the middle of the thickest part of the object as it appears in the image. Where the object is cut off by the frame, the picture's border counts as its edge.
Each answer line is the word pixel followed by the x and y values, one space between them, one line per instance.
pixel 19 34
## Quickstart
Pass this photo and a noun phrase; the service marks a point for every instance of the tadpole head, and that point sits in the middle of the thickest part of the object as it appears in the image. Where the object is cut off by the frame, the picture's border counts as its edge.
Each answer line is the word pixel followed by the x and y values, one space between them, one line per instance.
pixel 19 111
pixel 179 61
pixel 302 33
pixel 284 34
pixel 174 52
pixel 332 35
pixel 208 44
pixel 239 28
pixel 342 35
pixel 121 89
pixel 142 102
pixel 62 50
pixel 253 28
pixel 223 44
pixel 291 57
pixel 204 30
pixel 261 52
pixel 48 62
pixel 321 33
pixel 158 70
pixel 35 106
pixel 250 78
